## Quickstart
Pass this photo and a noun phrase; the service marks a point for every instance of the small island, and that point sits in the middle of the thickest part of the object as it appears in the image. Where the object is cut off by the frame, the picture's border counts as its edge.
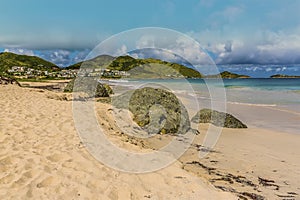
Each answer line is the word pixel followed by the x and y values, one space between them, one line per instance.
pixel 227 75
pixel 283 76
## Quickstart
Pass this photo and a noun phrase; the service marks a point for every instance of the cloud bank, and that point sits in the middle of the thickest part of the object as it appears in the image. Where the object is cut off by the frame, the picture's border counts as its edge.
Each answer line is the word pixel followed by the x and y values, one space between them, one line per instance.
pixel 265 53
pixel 60 57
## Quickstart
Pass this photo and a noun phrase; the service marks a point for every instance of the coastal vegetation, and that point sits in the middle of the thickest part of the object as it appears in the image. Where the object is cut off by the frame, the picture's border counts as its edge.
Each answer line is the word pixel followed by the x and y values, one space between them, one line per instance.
pixel 227 75
pixel 126 63
pixel 105 66
pixel 97 62
pixel 137 68
pixel 9 60
pixel 283 76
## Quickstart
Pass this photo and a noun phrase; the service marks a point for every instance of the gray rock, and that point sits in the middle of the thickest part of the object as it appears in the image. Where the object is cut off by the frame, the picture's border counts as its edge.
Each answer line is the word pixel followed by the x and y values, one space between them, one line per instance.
pixel 89 86
pixel 7 80
pixel 217 118
pixel 156 110
pixel 69 86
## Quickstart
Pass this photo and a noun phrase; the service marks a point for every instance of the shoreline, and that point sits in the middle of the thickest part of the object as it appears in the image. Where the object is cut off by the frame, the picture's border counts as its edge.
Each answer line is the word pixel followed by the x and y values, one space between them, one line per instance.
pixel 256 152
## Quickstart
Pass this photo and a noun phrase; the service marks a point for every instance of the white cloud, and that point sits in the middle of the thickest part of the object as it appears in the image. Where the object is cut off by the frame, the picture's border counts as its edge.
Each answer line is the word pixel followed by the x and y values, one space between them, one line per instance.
pixel 122 50
pixel 146 41
pixel 278 69
pixel 63 58
pixel 264 47
pixel 171 48
pixel 268 69
pixel 20 51
pixel 191 51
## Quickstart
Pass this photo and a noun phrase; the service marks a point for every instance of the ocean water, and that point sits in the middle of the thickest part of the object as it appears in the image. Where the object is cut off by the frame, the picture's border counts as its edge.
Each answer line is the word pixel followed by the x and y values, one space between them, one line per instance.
pixel 249 91
pixel 259 102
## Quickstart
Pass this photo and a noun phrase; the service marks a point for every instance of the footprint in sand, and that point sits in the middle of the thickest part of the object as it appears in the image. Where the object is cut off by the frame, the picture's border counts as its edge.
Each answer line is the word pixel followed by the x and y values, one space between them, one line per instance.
pixel 7 179
pixel 113 193
pixel 47 182
pixel 56 157
pixel 7 162
pixel 25 179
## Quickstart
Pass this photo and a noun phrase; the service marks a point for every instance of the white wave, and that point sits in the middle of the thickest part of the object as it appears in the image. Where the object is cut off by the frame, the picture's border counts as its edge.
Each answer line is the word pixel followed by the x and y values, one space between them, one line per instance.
pixel 252 104
pixel 118 80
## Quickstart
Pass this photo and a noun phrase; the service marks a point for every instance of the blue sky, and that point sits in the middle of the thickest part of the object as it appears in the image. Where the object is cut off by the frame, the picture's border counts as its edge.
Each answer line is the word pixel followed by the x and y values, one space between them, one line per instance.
pixel 233 31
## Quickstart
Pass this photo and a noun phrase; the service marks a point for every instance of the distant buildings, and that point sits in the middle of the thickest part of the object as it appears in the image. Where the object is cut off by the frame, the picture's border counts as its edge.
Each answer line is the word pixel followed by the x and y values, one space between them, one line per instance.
pixel 104 73
pixel 16 69
pixel 30 72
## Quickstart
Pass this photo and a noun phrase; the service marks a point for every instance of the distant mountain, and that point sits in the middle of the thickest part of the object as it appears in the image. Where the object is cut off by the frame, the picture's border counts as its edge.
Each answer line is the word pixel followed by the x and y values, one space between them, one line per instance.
pixel 228 75
pixel 283 76
pixel 99 61
pixel 140 68
pixel 8 60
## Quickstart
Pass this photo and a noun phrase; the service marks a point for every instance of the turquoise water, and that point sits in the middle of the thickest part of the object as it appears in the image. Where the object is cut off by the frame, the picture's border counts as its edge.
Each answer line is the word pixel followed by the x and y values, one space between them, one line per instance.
pixel 263 103
pixel 252 91
pixel 286 84
pixel 259 90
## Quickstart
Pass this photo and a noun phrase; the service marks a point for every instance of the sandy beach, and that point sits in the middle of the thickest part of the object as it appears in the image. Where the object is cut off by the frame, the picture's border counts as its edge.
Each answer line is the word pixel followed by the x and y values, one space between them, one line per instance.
pixel 42 157
pixel 150 100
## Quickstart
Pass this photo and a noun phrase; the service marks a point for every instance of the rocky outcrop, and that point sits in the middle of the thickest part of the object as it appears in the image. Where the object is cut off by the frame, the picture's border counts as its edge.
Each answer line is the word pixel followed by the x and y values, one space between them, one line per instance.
pixel 227 75
pixel 6 81
pixel 217 118
pixel 88 86
pixel 156 110
pixel 103 90
pixel 69 87
pixel 284 76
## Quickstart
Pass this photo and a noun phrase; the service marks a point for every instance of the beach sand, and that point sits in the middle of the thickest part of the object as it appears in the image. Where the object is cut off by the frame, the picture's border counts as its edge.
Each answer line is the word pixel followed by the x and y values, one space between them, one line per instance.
pixel 42 157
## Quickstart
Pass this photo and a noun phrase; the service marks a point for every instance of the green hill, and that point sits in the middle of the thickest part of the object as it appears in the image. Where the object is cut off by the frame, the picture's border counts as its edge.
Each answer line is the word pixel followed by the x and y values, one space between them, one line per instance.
pixel 227 75
pixel 94 63
pixel 126 63
pixel 140 68
pixel 8 60
pixel 283 76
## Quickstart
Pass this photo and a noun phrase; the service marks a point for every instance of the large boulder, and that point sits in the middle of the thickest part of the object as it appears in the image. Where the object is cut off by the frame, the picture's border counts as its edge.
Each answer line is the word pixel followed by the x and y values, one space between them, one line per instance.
pixel 217 118
pixel 89 86
pixel 156 110
pixel 103 90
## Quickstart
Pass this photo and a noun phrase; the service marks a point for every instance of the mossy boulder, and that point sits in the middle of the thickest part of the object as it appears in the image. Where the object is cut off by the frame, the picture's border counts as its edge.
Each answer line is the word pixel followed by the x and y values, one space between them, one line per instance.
pixel 69 87
pixel 156 110
pixel 103 90
pixel 217 118
pixel 90 87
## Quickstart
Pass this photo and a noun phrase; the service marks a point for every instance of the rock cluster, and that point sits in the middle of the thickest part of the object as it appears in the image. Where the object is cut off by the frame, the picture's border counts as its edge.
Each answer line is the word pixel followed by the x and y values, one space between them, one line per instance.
pixel 217 118
pixel 6 81
pixel 90 87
